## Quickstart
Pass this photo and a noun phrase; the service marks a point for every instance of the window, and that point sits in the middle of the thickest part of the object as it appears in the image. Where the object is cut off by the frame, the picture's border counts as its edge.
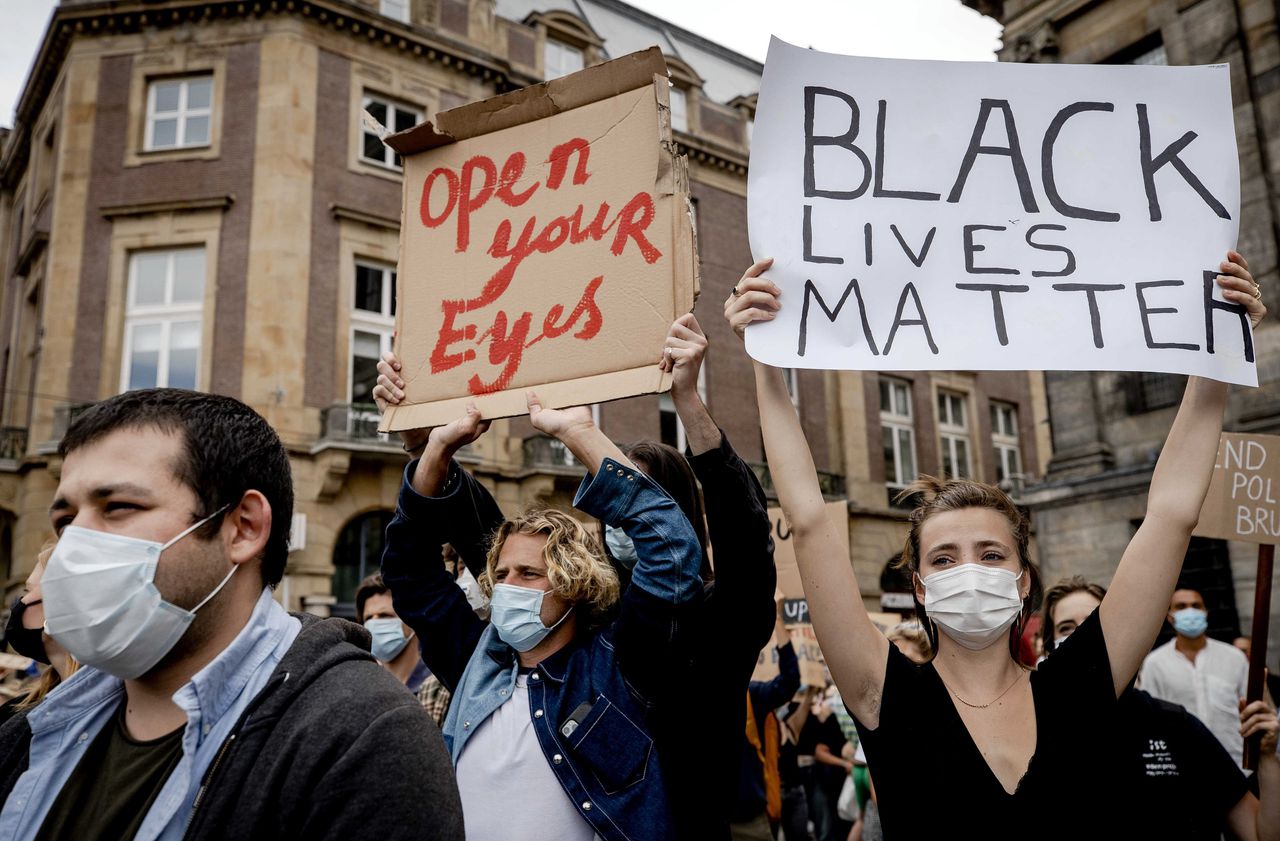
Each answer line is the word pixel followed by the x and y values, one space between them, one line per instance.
pixel 1149 392
pixel 793 385
pixel 898 432
pixel 398 9
pixel 671 430
pixel 373 312
pixel 1004 440
pixel 163 319
pixel 394 117
pixel 179 113
pixel 356 554
pixel 953 432
pixel 561 59
pixel 679 109
pixel 1154 56
pixel 751 129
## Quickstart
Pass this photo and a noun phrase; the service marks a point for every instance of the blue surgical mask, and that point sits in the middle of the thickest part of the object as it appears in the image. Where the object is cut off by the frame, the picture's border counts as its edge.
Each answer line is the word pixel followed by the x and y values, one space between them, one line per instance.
pixel 388 637
pixel 516 614
pixel 1190 622
pixel 620 546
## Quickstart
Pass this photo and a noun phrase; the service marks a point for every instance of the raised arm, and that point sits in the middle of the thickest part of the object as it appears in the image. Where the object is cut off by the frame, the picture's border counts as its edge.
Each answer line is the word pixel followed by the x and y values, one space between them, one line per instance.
pixel 737 512
pixel 649 634
pixel 1138 598
pixel 855 650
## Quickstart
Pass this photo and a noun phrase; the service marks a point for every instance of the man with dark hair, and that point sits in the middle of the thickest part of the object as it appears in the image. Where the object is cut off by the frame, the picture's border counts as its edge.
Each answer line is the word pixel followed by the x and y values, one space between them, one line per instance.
pixel 395 646
pixel 203 709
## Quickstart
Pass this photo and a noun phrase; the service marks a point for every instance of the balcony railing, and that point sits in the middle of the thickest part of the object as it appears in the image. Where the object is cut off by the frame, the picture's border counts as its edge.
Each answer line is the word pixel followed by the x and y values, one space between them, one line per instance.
pixel 353 423
pixel 13 444
pixel 541 451
pixel 831 484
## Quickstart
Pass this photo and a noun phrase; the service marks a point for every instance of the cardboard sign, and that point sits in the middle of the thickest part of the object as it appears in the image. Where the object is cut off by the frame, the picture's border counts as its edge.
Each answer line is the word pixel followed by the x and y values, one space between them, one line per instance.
pixel 807 652
pixel 546 242
pixel 795 608
pixel 1243 502
pixel 930 215
pixel 784 552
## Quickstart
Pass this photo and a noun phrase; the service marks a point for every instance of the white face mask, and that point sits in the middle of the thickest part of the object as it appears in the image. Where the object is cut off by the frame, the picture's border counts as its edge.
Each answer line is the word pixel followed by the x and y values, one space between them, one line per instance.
pixel 102 605
pixel 973 604
pixel 471 589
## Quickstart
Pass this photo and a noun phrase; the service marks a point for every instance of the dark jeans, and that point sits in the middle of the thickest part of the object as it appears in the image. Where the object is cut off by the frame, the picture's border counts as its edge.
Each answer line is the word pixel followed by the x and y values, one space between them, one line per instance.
pixel 795 815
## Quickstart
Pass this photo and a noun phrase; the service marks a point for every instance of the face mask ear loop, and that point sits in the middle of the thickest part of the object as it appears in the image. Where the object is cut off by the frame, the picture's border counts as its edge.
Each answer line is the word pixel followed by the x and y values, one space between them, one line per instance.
pixel 217 589
pixel 193 527
pixel 560 621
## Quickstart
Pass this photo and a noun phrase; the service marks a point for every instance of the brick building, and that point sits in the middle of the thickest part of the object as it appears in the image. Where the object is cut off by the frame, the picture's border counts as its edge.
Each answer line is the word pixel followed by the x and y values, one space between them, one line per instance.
pixel 1108 427
pixel 189 198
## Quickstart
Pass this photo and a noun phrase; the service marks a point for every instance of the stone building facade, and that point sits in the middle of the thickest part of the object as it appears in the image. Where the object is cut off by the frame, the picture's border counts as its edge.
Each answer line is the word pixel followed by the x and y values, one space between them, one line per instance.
pixel 1108 427
pixel 188 198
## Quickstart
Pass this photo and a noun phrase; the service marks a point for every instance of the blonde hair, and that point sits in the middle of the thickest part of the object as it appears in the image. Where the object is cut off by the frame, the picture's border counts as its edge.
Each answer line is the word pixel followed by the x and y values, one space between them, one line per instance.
pixel 912 633
pixel 576 566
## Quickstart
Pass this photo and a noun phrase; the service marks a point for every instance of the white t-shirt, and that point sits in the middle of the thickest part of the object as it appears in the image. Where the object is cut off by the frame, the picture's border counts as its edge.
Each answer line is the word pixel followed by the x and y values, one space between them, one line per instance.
pixel 509 792
pixel 1210 688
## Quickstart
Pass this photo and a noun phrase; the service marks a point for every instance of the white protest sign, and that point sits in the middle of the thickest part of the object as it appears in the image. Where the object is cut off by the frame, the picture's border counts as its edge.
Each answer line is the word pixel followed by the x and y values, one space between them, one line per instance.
pixel 930 215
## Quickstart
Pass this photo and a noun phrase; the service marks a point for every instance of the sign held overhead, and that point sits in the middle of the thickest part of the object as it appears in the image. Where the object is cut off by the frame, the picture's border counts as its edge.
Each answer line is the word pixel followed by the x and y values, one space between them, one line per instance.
pixel 928 215
pixel 545 243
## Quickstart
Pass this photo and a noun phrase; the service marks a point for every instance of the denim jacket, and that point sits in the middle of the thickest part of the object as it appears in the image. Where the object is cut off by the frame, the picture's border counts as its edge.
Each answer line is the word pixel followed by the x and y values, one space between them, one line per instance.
pixel 608 679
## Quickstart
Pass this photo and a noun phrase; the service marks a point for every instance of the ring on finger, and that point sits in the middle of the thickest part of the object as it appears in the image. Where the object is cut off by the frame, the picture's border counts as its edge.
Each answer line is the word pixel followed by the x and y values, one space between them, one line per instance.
pixel 1257 291
pixel 735 292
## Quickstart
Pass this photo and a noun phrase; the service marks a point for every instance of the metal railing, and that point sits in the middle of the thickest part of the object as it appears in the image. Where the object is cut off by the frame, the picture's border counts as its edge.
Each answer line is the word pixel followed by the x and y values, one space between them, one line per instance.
pixel 13 443
pixel 353 423
pixel 831 484
pixel 541 451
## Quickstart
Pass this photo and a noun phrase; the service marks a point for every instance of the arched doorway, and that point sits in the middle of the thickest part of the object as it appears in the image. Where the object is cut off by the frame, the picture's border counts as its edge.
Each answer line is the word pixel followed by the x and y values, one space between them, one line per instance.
pixel 356 554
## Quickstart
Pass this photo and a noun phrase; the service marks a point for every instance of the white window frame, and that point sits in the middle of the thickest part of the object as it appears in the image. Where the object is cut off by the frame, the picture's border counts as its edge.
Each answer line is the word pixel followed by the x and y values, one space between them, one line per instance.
pixel 560 49
pixel 667 404
pixel 953 430
pixel 1004 439
pixel 792 378
pixel 382 323
pixel 400 10
pixel 165 314
pixel 679 114
pixel 181 115
pixel 388 159
pixel 897 422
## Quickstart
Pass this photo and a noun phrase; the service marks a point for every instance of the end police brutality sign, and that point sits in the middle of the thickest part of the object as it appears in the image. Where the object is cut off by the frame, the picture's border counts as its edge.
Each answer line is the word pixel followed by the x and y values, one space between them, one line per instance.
pixel 930 215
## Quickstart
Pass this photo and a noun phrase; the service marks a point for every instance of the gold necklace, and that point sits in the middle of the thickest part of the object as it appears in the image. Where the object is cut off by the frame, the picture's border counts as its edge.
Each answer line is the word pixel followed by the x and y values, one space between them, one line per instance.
pixel 992 701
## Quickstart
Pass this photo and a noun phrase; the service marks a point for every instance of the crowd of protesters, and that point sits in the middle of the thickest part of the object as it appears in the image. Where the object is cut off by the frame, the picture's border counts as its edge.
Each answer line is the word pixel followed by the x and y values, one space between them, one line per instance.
pixel 541 674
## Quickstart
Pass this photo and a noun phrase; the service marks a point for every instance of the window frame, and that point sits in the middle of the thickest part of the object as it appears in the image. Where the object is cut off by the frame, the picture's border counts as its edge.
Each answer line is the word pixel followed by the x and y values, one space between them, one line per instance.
pixel 566 48
pixel 165 314
pixel 389 156
pixel 405 17
pixel 382 324
pixel 681 124
pixel 892 420
pixel 181 116
pixel 1005 443
pixel 951 432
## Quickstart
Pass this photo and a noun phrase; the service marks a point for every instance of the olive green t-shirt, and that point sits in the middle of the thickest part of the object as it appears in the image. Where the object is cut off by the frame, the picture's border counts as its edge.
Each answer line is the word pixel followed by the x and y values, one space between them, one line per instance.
pixel 112 788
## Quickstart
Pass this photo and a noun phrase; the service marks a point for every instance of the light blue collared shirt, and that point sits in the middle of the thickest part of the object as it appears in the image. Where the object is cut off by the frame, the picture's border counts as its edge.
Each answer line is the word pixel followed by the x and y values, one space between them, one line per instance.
pixel 63 726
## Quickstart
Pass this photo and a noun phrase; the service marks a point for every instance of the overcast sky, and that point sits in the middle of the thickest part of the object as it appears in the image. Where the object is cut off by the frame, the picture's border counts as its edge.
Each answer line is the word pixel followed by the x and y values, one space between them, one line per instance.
pixel 943 29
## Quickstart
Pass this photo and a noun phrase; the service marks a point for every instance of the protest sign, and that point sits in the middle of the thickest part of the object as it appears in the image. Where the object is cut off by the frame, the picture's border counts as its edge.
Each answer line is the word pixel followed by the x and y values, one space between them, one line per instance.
pixel 795 608
pixel 1243 502
pixel 546 243
pixel 928 215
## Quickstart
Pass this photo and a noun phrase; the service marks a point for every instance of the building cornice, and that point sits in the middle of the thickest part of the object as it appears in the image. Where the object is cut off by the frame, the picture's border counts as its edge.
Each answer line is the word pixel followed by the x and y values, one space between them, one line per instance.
pixel 113 211
pixel 114 17
pixel 712 154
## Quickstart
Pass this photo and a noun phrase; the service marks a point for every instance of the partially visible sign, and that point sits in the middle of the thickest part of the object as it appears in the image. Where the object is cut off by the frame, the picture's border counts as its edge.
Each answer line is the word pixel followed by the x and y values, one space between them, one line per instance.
pixel 812 666
pixel 897 601
pixel 784 552
pixel 1243 502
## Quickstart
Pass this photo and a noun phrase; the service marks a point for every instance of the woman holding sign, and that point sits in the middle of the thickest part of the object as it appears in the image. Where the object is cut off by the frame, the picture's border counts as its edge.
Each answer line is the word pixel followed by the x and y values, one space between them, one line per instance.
pixel 994 743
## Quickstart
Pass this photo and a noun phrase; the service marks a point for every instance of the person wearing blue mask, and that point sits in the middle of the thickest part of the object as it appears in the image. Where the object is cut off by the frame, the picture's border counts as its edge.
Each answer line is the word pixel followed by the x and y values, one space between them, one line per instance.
pixel 553 697
pixel 202 709
pixel 1205 676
